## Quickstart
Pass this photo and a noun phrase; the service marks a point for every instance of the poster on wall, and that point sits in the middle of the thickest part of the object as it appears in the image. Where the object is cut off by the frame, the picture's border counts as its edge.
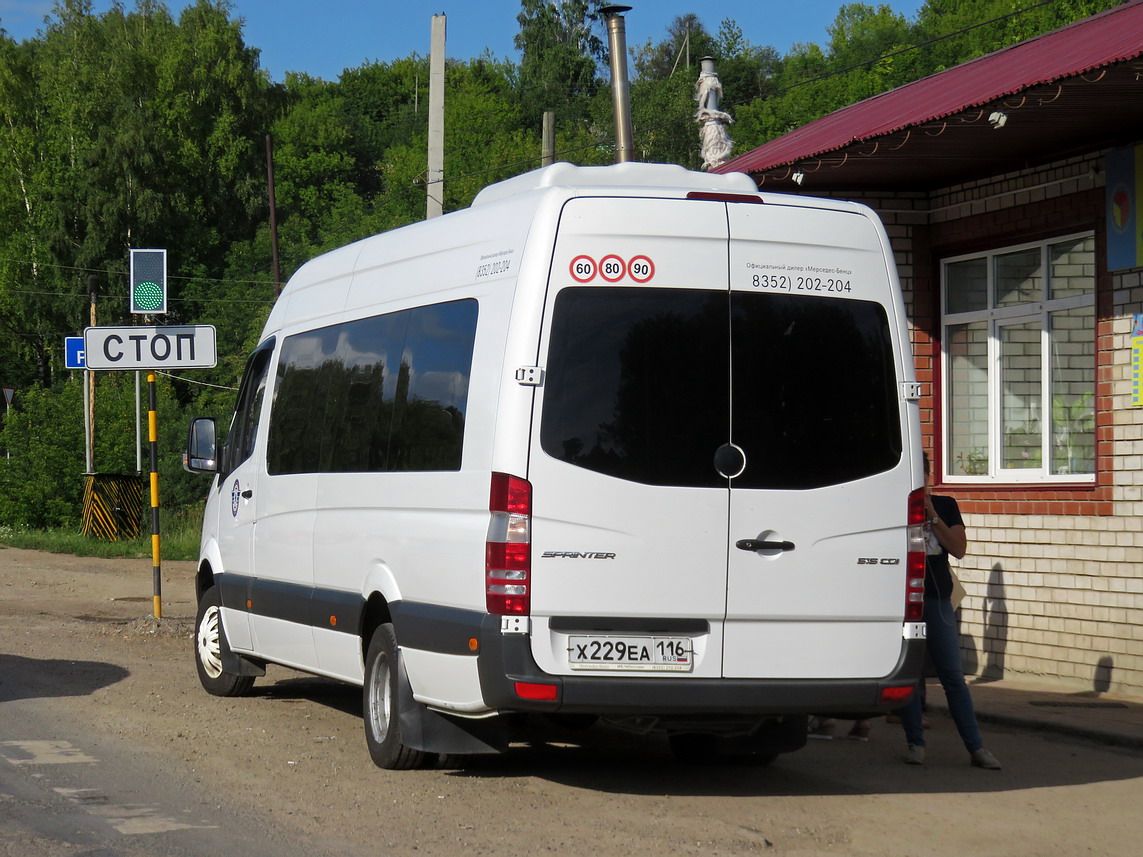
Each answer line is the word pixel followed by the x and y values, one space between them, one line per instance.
pixel 1124 191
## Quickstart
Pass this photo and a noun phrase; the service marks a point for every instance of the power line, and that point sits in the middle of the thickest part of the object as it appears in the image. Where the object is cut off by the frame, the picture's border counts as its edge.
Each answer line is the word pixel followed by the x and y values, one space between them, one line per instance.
pixel 116 273
pixel 84 297
pixel 198 383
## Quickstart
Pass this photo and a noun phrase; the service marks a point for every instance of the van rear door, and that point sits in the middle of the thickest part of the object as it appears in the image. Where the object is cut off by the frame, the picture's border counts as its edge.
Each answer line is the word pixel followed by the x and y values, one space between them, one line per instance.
pixel 816 581
pixel 628 514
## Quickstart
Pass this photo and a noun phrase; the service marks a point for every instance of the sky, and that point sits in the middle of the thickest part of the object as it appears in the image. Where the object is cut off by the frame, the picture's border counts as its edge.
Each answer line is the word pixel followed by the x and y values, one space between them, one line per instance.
pixel 324 37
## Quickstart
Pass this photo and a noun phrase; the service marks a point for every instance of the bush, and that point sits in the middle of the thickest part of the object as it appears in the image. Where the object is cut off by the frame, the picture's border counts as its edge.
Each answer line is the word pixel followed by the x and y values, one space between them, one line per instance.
pixel 41 476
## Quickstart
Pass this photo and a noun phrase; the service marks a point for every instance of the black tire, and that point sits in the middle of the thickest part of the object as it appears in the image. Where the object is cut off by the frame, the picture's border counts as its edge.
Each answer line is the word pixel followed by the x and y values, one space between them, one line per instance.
pixel 380 705
pixel 209 638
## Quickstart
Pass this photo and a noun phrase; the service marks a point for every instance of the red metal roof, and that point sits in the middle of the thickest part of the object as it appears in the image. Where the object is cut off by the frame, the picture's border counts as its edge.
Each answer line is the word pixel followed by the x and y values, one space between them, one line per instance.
pixel 1093 43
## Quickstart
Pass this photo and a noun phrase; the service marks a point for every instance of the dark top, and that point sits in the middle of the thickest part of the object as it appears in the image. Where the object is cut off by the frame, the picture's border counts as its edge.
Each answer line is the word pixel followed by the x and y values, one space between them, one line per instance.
pixel 938 580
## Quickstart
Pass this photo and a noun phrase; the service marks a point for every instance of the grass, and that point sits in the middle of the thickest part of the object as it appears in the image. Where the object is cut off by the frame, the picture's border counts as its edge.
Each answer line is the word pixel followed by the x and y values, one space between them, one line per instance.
pixel 178 540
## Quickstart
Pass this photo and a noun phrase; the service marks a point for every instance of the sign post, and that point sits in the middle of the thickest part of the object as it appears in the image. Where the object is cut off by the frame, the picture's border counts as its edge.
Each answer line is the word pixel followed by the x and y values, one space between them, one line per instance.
pixel 151 348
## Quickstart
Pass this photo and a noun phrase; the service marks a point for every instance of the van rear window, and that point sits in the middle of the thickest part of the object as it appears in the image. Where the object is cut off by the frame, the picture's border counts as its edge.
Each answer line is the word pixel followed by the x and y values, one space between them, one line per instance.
pixel 386 393
pixel 647 384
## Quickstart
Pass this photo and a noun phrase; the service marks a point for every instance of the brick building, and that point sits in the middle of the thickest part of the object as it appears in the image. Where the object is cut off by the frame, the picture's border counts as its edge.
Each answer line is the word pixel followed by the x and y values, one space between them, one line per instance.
pixel 1010 187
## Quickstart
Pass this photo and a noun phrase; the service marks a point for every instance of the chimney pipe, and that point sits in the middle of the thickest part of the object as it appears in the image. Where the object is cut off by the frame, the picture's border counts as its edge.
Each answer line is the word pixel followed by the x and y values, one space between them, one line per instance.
pixel 620 85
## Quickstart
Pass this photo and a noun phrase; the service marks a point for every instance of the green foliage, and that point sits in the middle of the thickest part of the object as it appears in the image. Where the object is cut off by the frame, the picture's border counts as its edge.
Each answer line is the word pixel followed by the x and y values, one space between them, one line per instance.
pixel 558 58
pixel 687 42
pixel 41 475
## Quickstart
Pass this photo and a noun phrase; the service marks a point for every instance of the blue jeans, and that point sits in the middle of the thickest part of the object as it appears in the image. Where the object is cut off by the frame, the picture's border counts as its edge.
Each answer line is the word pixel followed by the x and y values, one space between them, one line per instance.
pixel 943 643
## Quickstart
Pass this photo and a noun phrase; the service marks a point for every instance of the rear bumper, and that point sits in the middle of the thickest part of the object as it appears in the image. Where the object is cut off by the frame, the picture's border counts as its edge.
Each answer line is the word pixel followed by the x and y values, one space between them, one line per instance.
pixel 505 659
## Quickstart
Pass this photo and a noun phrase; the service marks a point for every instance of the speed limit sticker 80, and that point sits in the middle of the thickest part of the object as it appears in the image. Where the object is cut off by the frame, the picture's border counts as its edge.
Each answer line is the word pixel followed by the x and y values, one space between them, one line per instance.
pixel 612 268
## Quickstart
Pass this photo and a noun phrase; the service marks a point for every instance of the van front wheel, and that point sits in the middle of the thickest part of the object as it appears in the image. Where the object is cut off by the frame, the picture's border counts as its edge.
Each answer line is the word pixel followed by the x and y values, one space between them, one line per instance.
pixel 209 637
pixel 380 706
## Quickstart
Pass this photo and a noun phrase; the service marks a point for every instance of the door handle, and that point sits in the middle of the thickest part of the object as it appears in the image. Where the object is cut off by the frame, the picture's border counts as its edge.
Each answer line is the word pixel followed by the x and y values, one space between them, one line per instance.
pixel 756 545
pixel 247 494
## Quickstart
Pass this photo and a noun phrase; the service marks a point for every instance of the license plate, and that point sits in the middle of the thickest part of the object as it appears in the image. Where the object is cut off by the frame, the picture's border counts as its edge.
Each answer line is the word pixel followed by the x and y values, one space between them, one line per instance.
pixel 658 654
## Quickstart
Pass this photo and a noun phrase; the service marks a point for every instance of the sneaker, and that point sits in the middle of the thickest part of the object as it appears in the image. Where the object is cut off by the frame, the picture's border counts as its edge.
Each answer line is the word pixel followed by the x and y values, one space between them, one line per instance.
pixel 916 755
pixel 860 730
pixel 821 728
pixel 983 759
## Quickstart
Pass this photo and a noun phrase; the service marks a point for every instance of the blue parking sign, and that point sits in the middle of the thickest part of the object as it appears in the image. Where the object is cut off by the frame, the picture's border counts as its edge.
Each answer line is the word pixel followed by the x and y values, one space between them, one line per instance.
pixel 74 355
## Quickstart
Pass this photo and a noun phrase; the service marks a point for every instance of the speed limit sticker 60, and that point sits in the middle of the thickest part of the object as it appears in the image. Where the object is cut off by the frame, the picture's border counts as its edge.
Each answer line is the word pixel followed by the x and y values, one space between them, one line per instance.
pixel 583 269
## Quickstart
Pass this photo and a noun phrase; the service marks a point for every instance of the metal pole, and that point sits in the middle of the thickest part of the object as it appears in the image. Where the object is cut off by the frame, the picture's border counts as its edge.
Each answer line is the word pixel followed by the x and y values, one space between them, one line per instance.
pixel 620 86
pixel 273 216
pixel 138 424
pixel 89 464
pixel 153 433
pixel 92 291
pixel 434 175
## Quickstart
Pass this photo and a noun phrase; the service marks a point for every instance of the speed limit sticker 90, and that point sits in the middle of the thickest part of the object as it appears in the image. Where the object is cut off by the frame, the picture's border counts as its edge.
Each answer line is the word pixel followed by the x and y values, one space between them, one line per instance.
pixel 612 268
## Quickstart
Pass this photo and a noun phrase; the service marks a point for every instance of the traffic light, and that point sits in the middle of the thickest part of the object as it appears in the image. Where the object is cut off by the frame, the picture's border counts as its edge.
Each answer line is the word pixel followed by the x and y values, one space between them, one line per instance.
pixel 148 282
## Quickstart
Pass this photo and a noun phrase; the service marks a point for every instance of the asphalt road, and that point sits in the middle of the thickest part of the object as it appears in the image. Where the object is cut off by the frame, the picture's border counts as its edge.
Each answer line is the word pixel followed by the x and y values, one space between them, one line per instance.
pixel 109 747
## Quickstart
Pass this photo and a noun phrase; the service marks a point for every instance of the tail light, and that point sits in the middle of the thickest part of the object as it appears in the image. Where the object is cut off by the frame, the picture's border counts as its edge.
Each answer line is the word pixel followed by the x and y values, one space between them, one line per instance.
pixel 915 559
pixel 508 550
pixel 896 695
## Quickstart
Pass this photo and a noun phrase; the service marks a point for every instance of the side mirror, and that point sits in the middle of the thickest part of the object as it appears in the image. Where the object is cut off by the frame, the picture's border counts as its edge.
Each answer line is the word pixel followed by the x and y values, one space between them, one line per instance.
pixel 201 452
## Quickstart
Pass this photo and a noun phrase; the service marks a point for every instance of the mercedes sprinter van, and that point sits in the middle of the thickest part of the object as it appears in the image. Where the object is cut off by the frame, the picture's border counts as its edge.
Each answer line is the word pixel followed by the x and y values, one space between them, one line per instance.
pixel 629 443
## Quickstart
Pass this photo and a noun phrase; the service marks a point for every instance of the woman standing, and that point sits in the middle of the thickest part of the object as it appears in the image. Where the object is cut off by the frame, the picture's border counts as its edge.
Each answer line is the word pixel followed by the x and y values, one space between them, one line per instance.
pixel 945 534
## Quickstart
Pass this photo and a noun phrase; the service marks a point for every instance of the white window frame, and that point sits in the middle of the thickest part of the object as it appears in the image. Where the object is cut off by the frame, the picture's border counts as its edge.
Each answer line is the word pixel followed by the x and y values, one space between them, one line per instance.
pixel 998 317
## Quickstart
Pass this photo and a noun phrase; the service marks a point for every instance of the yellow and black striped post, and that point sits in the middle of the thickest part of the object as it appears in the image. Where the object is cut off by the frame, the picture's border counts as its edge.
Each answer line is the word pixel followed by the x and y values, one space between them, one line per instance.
pixel 153 436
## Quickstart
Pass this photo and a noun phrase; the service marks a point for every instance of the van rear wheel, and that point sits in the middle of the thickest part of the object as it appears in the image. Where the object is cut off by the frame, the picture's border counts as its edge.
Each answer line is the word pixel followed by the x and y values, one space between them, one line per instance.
pixel 209 639
pixel 380 705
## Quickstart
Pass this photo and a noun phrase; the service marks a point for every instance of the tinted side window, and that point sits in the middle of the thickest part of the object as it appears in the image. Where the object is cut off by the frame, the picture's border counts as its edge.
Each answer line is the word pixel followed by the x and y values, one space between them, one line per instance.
pixel 816 400
pixel 385 393
pixel 637 385
pixel 248 410
pixel 306 368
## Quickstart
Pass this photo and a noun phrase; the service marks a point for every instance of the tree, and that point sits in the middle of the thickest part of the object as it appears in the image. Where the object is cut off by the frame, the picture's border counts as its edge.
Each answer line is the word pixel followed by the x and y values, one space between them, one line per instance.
pixel 958 25
pixel 559 50
pixel 687 42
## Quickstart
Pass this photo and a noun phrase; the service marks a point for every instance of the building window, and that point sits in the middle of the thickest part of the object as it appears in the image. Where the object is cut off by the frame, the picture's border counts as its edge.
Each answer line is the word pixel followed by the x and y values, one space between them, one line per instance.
pixel 1019 363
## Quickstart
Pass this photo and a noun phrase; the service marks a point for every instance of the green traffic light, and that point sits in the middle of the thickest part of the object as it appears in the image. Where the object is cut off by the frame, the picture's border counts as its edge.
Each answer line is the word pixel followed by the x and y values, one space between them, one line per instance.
pixel 148 295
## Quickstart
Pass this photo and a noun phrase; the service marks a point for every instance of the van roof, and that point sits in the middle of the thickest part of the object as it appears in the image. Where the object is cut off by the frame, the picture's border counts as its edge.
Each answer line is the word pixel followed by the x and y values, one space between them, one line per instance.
pixel 632 175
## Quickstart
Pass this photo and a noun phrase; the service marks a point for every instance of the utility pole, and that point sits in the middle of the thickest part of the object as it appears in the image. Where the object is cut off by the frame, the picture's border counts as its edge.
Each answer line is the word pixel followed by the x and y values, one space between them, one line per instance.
pixel 273 216
pixel 548 140
pixel 434 175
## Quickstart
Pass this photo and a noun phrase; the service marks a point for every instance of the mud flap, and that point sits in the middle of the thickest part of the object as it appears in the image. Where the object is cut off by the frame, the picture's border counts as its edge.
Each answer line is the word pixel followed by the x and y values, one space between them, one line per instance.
pixel 433 732
pixel 235 664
